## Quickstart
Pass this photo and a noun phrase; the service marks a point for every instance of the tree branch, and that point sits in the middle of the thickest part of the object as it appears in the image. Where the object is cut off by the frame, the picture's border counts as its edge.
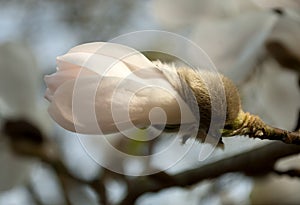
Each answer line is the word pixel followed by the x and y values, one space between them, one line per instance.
pixel 291 172
pixel 255 162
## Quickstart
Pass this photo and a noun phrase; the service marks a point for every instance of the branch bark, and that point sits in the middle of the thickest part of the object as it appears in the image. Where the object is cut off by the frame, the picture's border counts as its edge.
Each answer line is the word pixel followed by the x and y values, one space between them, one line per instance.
pixel 255 162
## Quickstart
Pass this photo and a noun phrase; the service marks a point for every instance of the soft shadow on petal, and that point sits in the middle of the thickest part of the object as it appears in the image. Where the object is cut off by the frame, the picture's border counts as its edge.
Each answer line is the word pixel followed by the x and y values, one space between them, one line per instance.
pixel 60 108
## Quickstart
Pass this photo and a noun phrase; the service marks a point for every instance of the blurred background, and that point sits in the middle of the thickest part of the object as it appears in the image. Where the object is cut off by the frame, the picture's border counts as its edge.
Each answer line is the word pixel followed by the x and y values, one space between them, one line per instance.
pixel 255 43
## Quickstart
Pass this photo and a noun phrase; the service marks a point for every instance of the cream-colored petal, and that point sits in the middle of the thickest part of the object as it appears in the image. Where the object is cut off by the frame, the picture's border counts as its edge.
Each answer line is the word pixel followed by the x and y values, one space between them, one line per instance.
pixel 60 108
pixel 48 95
pixel 101 64
pixel 55 80
pixel 133 58
pixel 109 59
pixel 102 88
pixel 115 105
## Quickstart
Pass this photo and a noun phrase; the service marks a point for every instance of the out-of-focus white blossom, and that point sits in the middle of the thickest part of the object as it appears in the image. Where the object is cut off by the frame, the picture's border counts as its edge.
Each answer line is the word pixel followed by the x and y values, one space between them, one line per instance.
pixel 236 44
pixel 295 4
pixel 19 81
pixel 177 13
pixel 273 94
pixel 18 94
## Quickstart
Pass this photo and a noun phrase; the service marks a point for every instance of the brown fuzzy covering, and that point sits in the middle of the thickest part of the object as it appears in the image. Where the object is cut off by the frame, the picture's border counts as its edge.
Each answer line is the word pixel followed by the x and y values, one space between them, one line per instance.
pixel 214 93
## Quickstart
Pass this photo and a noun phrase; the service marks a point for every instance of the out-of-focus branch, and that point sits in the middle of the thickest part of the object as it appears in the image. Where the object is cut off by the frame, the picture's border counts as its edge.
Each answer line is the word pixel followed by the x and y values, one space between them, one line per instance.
pixel 64 184
pixel 26 140
pixel 284 55
pixel 255 162
pixel 35 198
pixel 297 127
pixel 291 172
pixel 258 161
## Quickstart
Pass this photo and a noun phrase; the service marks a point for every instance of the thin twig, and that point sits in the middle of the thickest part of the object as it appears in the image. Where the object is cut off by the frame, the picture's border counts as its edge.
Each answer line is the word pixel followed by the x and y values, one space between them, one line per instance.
pixel 99 187
pixel 64 184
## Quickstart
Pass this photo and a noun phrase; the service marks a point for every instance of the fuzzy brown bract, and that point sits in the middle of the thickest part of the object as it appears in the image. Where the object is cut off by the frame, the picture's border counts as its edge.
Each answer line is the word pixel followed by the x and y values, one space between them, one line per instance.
pixel 214 93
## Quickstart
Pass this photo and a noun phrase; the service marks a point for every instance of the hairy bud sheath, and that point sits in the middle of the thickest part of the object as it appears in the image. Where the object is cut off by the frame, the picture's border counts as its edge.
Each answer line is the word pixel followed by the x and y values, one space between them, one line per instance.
pixel 237 121
pixel 199 82
pixel 209 89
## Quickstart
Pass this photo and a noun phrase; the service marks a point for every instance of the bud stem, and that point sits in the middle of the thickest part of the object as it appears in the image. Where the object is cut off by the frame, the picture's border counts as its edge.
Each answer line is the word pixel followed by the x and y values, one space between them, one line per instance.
pixel 254 127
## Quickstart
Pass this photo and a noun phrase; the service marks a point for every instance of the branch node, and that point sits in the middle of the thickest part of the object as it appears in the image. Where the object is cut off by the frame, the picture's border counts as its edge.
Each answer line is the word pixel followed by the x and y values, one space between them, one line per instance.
pixel 254 127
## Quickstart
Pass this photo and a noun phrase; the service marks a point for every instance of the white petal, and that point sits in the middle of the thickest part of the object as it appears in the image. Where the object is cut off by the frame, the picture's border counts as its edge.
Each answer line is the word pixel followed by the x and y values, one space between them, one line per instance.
pixel 128 55
pixel 101 64
pixel 115 105
pixel 60 108
pixel 107 59
pixel 102 88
